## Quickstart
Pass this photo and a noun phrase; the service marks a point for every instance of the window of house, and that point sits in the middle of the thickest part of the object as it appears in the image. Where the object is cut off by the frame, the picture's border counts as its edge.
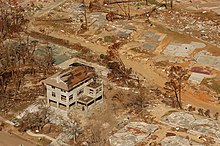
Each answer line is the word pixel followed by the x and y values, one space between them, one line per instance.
pixel 80 92
pixel 71 97
pixel 62 90
pixel 91 91
pixel 53 94
pixel 63 98
pixel 52 87
pixel 98 90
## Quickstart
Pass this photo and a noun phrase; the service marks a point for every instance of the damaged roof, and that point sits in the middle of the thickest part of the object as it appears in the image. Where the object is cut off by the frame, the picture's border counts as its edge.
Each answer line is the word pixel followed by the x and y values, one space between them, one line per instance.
pixel 94 84
pixel 71 77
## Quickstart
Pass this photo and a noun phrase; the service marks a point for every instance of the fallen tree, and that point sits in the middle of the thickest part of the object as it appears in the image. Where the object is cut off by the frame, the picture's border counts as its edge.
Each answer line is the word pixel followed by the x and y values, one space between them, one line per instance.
pixel 119 73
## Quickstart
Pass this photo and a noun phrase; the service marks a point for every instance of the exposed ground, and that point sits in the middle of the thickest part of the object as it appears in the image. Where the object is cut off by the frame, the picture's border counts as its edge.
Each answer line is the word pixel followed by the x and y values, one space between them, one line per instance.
pixel 14 140
pixel 138 52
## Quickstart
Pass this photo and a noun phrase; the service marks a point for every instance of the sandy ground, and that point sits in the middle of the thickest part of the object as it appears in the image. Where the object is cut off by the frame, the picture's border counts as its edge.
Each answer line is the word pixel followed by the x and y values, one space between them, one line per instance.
pixel 200 99
pixel 141 68
pixel 189 97
pixel 7 139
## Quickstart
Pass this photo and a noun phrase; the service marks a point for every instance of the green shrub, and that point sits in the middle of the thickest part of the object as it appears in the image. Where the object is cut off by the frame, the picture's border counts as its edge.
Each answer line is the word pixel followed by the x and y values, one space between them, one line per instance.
pixel 103 56
pixel 108 38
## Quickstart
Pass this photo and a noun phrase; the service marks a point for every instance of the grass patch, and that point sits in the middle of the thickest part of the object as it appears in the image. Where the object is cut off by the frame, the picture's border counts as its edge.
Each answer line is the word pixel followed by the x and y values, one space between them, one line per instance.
pixel 103 56
pixel 153 2
pixel 108 38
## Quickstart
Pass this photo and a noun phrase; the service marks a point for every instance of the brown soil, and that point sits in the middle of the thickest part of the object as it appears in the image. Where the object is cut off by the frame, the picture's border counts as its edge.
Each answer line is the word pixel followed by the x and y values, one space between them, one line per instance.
pixel 7 139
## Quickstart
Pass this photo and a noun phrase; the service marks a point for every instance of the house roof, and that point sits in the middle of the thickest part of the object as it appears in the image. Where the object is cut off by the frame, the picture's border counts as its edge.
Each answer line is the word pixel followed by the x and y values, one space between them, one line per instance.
pixel 71 77
pixel 201 70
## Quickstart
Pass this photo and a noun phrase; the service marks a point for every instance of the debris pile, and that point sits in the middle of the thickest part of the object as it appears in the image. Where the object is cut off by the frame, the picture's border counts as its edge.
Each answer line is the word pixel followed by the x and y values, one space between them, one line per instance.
pixel 132 133
pixel 119 73
pixel 17 99
pixel 192 24
pixel 178 141
pixel 122 29
pixel 193 123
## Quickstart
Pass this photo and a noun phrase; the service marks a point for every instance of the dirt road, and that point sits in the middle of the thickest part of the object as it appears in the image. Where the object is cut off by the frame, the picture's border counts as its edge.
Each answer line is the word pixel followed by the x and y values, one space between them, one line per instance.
pixel 141 68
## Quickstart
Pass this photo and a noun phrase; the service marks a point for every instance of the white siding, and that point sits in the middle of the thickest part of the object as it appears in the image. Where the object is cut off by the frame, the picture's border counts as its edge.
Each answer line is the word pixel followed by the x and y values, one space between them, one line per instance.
pixel 58 94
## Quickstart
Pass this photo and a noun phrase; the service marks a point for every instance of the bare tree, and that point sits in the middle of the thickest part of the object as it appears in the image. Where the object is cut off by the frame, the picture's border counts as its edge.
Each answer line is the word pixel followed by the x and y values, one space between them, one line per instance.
pixel 201 112
pixel 140 101
pixel 35 120
pixel 84 25
pixel 119 73
pixel 5 78
pixel 207 113
pixel 146 2
pixel 98 137
pixel 171 4
pixel 12 21
pixel 191 108
pixel 72 129
pixel 49 60
pixel 176 78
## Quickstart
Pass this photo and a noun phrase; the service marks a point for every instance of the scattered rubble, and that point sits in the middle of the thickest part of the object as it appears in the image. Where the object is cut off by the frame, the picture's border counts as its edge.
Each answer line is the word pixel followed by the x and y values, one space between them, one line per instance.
pixel 192 24
pixel 178 141
pixel 180 118
pixel 205 126
pixel 43 117
pixel 132 133
pixel 194 123
pixel 142 41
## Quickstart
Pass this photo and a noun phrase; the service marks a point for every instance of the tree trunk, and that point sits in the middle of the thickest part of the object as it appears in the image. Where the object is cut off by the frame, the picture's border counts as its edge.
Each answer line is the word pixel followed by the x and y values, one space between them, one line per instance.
pixel 177 99
pixel 2 84
pixel 171 4
pixel 85 15
pixel 146 2
pixel 180 90
pixel 129 12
